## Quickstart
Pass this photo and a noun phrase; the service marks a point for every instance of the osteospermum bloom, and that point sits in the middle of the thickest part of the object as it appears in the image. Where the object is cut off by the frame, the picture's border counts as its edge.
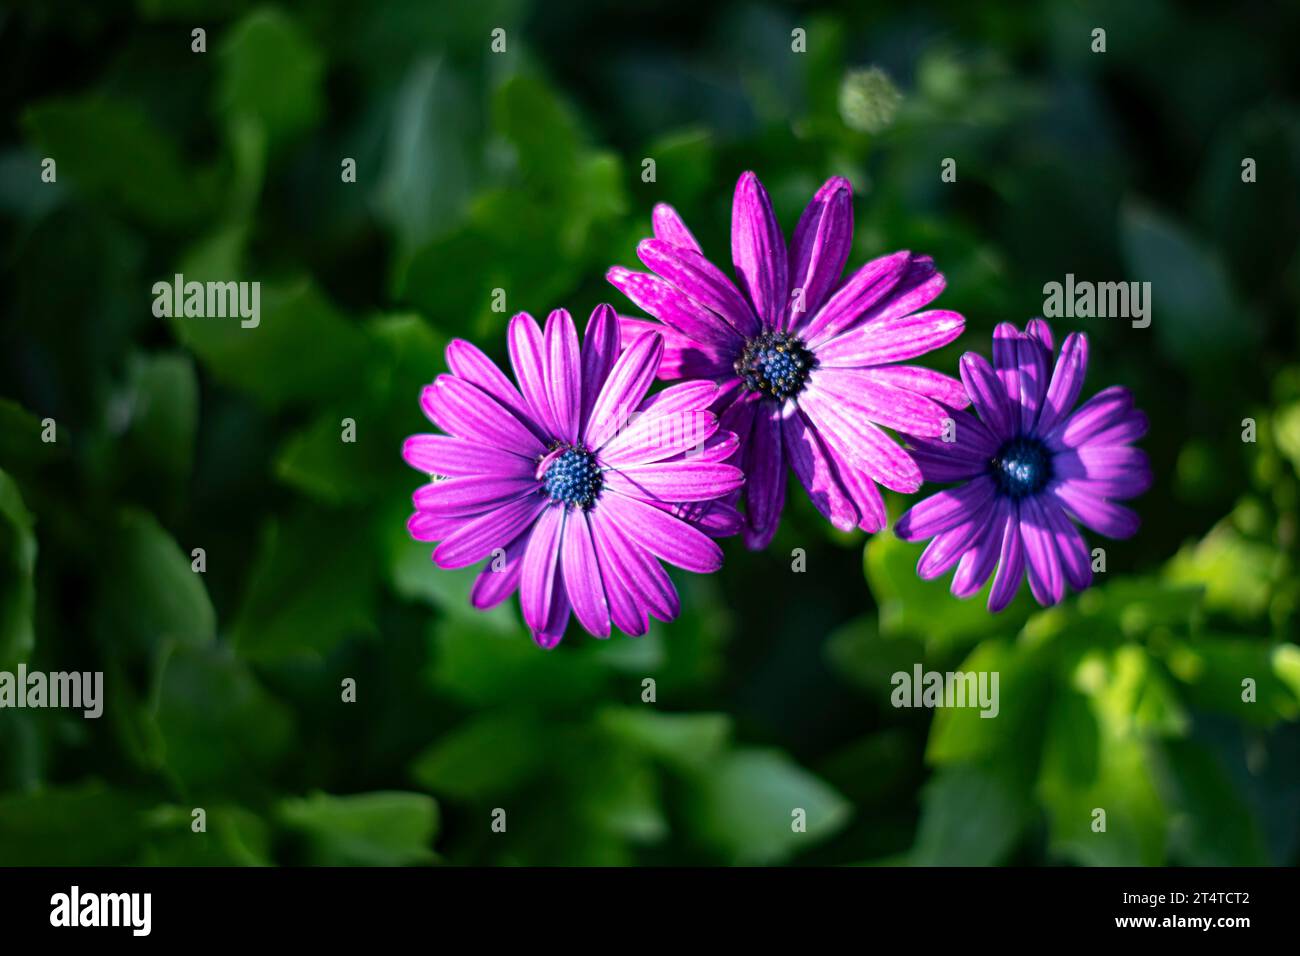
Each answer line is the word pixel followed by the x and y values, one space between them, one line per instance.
pixel 807 364
pixel 573 483
pixel 1030 466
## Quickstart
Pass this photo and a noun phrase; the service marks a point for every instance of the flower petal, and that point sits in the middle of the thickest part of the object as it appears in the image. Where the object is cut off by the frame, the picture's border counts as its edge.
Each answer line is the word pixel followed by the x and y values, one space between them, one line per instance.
pixel 944 509
pixel 881 403
pixel 675 481
pixel 563 383
pixel 662 535
pixel 475 539
pixel 1102 516
pixel 819 249
pixel 468 412
pixel 947 547
pixel 682 358
pixel 987 395
pixel 896 339
pixel 817 472
pixel 1046 579
pixel 600 348
pixel 538 587
pixel 456 457
pixel 669 227
pixel 764 476
pixel 1067 382
pixel 696 323
pixel 471 495
pixel 644 574
pixel 582 575
pixel 626 386
pixel 1103 411
pixel 862 291
pixel 860 442
pixel 701 281
pixel 626 608
pixel 499 578
pixel 651 437
pixel 1109 471
pixel 981 558
pixel 467 361
pixel 1076 559
pixel 915 378
pixel 1011 565
pixel 758 250
pixel 527 349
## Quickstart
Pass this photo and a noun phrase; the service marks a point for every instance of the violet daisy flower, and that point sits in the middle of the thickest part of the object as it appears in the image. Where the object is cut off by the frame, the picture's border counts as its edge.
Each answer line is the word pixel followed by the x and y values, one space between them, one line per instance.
pixel 806 363
pixel 574 483
pixel 1031 465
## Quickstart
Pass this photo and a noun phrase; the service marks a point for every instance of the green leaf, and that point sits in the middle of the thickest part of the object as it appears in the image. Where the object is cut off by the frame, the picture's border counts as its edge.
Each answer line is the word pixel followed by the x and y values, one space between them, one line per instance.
pixel 17 575
pixel 1195 318
pixel 223 732
pixel 302 347
pixel 112 151
pixel 155 597
pixel 961 734
pixel 488 757
pixel 1238 574
pixel 684 161
pixel 1132 710
pixel 745 807
pixel 542 130
pixel 690 741
pixel 317 461
pixel 20 438
pixel 927 610
pixel 271 72
pixel 970 816
pixel 1214 669
pixel 157 414
pixel 857 652
pixel 83 825
pixel 313 584
pixel 1214 825
pixel 426 173
pixel 389 828
pixel 481 665
pixel 615 790
pixel 233 836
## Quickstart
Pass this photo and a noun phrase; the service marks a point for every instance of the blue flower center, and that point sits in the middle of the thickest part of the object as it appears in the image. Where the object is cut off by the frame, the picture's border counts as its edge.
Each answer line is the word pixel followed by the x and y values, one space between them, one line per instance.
pixel 572 477
pixel 776 364
pixel 1022 467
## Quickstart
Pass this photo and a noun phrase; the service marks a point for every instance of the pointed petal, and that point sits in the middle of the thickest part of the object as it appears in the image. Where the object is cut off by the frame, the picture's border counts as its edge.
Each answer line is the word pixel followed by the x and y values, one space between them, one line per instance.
pixel 819 249
pixel 765 476
pixel 897 339
pixel 662 535
pixel 582 575
pixel 563 382
pixel 758 251
pixel 475 539
pixel 527 350
pixel 701 281
pixel 624 390
pixel 468 412
pixel 669 227
pixel 538 588
pixel 818 473
pixel 600 348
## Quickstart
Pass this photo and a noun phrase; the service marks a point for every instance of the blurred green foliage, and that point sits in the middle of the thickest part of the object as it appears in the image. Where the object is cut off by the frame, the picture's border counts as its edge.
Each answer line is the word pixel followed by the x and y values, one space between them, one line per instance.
pixel 522 170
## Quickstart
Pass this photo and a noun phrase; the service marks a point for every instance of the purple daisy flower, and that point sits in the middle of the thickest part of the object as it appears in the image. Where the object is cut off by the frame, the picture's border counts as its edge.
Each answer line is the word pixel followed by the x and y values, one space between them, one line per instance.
pixel 1030 468
pixel 807 364
pixel 575 483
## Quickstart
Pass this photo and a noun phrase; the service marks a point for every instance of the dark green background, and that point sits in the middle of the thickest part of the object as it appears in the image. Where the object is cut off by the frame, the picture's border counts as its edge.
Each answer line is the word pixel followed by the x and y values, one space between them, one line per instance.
pixel 523 171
